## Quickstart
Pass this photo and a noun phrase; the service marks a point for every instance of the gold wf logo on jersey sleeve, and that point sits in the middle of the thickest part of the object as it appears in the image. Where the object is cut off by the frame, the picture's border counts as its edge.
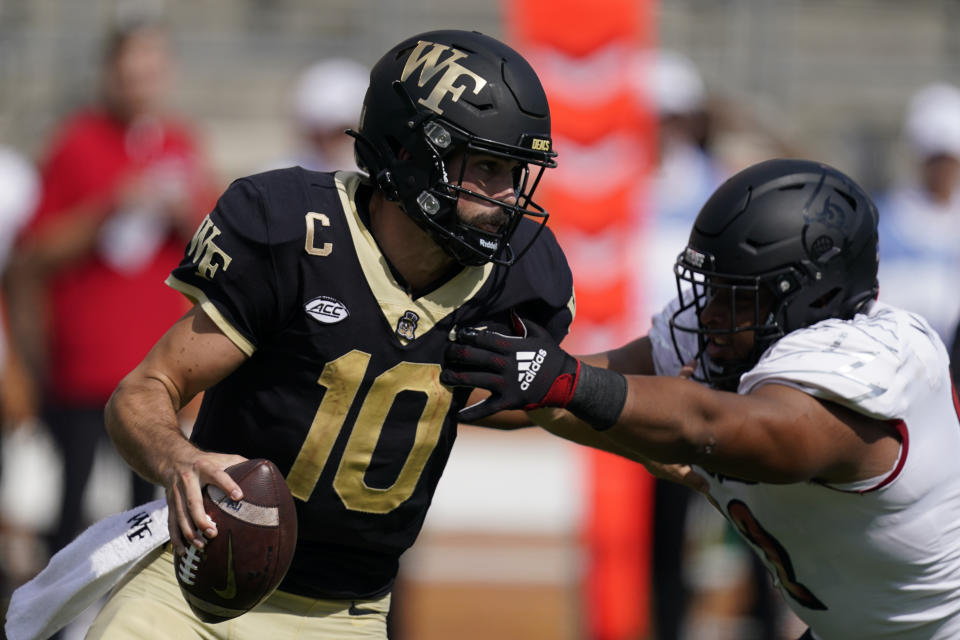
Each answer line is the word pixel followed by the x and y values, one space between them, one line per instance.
pixel 426 57
pixel 203 250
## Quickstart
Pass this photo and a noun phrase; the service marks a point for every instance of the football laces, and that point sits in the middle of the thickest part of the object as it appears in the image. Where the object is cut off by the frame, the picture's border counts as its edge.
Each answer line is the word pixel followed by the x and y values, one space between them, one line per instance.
pixel 187 571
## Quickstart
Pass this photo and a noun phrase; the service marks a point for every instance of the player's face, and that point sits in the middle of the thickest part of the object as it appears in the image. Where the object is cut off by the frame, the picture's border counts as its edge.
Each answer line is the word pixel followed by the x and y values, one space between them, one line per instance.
pixel 490 176
pixel 729 312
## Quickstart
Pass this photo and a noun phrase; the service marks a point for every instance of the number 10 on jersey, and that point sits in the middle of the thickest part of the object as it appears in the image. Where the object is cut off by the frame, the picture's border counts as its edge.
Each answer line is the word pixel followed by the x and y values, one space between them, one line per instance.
pixel 342 378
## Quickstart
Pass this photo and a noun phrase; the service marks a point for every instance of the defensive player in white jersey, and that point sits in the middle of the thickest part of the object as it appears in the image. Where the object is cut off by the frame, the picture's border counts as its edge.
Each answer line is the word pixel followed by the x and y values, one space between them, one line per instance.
pixel 824 425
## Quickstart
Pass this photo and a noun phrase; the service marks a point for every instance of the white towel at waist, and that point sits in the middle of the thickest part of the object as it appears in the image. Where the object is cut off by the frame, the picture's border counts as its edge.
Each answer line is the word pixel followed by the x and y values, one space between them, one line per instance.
pixel 84 570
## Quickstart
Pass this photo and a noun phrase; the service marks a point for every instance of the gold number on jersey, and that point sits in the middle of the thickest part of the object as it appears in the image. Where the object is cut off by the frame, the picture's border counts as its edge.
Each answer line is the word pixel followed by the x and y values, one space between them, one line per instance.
pixel 342 378
pixel 349 482
pixel 311 242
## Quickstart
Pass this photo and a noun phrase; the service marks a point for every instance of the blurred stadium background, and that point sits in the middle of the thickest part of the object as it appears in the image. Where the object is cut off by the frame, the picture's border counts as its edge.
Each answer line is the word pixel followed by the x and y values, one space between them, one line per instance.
pixel 502 553
pixel 834 75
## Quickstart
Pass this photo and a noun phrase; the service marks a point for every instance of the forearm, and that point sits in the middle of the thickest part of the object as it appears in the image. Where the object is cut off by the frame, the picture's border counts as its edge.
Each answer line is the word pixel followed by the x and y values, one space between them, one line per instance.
pixel 503 420
pixel 565 425
pixel 141 420
pixel 648 416
pixel 665 419
pixel 506 421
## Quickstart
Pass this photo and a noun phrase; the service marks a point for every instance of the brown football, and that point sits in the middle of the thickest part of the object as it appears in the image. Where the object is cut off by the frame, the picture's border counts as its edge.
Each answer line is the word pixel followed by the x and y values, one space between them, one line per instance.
pixel 253 548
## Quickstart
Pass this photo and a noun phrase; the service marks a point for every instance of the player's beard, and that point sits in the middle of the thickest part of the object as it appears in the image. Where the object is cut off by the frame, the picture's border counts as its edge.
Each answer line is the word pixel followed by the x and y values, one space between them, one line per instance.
pixel 490 221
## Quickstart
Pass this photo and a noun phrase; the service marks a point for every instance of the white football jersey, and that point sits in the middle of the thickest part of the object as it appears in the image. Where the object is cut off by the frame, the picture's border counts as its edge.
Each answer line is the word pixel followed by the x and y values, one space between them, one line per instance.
pixel 874 559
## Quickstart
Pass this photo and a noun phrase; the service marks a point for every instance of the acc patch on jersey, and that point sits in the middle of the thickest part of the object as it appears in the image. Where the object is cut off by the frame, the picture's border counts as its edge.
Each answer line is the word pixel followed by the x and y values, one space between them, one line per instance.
pixel 326 310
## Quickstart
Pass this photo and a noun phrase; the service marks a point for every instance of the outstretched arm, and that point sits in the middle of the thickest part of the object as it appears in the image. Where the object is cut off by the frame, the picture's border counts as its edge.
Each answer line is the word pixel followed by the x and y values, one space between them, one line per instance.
pixel 141 419
pixel 774 434
pixel 635 357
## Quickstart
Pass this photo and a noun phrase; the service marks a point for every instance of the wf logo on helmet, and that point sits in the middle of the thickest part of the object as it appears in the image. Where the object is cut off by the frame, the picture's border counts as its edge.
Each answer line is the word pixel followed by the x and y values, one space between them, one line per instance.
pixel 528 365
pixel 426 57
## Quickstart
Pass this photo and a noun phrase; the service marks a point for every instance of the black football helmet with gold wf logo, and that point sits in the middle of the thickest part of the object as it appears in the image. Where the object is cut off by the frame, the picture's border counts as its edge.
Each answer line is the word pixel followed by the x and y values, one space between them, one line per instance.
pixel 446 91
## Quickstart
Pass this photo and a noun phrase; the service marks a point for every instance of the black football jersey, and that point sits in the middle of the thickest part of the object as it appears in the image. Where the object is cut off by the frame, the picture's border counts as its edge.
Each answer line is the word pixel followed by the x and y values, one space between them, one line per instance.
pixel 341 387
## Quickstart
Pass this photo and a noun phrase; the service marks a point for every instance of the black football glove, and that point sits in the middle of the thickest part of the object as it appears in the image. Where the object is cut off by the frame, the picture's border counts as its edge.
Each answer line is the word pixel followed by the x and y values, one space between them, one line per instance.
pixel 521 372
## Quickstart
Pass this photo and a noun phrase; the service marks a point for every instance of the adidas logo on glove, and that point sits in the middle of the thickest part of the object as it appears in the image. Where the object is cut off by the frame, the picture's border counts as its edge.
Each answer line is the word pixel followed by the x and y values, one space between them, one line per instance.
pixel 526 371
pixel 528 364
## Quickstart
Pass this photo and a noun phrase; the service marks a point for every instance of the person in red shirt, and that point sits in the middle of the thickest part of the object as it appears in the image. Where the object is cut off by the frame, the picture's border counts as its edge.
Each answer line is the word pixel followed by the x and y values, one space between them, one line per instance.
pixel 123 185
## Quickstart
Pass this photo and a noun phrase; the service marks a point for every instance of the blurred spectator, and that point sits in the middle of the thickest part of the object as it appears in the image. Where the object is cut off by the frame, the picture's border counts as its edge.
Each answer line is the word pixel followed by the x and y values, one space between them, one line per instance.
pixel 18 193
pixel 685 174
pixel 920 219
pixel 122 187
pixel 19 188
pixel 325 102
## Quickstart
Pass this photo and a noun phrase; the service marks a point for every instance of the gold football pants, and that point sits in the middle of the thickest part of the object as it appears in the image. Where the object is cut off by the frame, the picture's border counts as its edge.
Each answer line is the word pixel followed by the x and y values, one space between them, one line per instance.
pixel 148 604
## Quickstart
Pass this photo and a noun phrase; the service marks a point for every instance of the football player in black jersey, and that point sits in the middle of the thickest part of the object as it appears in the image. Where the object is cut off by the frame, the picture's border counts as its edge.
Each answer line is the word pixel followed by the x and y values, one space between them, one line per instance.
pixel 323 303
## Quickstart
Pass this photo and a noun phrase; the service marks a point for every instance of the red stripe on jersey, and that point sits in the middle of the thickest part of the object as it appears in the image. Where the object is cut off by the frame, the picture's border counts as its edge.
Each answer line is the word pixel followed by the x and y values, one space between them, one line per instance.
pixel 956 401
pixel 901 428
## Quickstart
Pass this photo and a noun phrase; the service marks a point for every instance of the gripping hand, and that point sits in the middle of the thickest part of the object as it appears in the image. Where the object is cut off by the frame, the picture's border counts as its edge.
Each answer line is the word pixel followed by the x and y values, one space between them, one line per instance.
pixel 521 372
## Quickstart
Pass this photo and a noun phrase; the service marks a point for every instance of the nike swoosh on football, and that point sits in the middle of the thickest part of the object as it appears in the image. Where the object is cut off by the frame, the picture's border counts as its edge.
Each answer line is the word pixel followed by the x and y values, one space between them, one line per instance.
pixel 229 592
